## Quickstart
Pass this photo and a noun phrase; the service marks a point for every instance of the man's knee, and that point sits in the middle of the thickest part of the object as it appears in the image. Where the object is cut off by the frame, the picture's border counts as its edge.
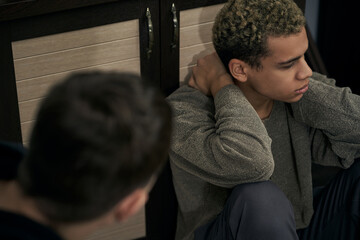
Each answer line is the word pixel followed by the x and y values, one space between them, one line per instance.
pixel 262 207
pixel 261 196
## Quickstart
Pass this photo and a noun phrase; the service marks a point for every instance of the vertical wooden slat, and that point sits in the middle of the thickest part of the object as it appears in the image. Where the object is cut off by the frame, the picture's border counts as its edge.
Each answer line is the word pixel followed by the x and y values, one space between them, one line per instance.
pixel 161 207
pixel 195 37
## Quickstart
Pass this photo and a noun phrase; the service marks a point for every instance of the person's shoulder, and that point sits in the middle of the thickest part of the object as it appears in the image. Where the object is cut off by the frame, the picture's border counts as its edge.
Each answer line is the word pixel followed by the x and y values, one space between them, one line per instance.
pixel 20 227
pixel 11 154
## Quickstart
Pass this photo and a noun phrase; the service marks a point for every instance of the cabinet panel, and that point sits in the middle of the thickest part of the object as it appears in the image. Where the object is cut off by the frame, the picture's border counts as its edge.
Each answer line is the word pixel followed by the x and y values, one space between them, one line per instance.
pixel 31 91
pixel 72 59
pixel 41 62
pixel 97 36
pixel 199 15
pixel 196 34
pixel 26 128
pixel 75 39
pixel 195 37
pixel 188 57
pixel 61 39
pixel 37 87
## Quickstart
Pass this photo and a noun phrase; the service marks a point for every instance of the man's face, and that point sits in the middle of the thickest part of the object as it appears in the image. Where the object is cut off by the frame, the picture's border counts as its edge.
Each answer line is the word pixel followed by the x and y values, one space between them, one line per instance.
pixel 285 74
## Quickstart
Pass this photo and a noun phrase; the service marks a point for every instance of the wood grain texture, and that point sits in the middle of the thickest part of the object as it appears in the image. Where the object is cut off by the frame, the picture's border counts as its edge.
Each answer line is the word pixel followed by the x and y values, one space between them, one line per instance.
pixel 42 62
pixel 37 87
pixel 189 55
pixel 196 34
pixel 75 39
pixel 32 91
pixel 195 37
pixel 199 15
pixel 72 59
pixel 188 59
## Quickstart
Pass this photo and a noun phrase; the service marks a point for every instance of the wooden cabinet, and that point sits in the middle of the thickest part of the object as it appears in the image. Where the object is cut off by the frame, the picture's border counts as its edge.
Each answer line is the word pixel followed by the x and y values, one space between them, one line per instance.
pixel 43 41
pixel 42 61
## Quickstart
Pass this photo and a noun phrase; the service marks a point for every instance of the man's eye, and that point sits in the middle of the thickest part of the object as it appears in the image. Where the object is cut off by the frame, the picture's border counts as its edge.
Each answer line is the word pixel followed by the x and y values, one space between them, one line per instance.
pixel 289 65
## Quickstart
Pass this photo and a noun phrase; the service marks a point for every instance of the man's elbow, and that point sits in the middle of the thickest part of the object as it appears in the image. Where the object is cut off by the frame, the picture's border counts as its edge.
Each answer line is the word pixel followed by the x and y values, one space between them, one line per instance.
pixel 263 169
pixel 269 170
pixel 253 170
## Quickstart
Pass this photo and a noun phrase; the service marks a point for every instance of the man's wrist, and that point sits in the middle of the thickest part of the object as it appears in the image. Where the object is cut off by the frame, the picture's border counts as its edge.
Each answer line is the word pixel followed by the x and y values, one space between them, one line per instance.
pixel 223 81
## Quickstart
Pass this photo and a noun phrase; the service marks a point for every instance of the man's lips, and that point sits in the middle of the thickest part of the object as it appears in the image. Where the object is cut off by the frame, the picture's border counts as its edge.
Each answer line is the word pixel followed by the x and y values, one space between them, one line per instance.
pixel 303 89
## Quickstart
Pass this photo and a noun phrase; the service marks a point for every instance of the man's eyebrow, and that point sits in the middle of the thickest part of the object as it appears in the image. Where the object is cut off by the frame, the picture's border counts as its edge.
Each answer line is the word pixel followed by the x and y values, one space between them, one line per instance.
pixel 290 61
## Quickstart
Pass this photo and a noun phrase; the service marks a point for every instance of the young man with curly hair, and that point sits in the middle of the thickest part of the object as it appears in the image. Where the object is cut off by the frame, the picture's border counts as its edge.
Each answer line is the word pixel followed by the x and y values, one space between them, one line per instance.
pixel 246 135
pixel 99 141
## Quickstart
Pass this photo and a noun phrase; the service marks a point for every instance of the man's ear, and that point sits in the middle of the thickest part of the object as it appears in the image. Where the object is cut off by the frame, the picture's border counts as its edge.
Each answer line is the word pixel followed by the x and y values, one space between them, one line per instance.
pixel 131 204
pixel 238 69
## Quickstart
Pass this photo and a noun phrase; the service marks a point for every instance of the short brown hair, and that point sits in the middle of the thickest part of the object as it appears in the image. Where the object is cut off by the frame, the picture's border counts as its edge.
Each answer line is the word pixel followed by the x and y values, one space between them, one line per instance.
pixel 98 137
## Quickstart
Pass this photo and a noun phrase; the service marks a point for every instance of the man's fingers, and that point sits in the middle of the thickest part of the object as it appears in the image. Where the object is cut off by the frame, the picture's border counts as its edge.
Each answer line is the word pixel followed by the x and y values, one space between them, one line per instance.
pixel 198 80
pixel 191 82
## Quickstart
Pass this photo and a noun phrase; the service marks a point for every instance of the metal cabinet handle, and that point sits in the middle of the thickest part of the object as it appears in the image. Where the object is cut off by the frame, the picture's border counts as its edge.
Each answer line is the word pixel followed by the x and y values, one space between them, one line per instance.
pixel 176 27
pixel 151 33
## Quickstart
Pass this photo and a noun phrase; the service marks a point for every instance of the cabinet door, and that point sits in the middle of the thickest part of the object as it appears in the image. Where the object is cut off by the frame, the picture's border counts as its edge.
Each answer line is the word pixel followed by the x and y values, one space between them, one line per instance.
pixel 185 33
pixel 43 61
pixel 43 49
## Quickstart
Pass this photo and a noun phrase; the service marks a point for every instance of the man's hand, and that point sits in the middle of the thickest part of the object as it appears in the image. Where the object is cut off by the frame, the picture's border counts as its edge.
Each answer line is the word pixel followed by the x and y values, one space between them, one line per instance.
pixel 209 75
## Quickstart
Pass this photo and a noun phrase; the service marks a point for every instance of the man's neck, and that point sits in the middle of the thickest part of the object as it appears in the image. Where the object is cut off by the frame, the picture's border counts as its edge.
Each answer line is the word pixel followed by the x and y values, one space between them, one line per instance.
pixel 262 105
pixel 81 230
pixel 13 200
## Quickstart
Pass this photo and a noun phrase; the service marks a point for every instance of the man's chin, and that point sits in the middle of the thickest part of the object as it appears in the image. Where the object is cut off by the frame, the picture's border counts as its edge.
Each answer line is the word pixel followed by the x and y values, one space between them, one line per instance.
pixel 295 99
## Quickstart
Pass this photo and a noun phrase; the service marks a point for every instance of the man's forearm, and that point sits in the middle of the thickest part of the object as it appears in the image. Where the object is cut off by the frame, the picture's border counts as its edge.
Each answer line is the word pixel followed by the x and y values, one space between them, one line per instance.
pixel 336 112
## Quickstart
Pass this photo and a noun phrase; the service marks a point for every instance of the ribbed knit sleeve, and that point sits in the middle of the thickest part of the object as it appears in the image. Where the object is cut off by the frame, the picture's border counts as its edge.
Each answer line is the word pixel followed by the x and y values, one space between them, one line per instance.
pixel 336 113
pixel 221 140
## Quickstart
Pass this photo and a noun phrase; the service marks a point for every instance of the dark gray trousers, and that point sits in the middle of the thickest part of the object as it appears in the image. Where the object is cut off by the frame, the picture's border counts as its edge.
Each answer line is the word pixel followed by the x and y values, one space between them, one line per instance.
pixel 259 211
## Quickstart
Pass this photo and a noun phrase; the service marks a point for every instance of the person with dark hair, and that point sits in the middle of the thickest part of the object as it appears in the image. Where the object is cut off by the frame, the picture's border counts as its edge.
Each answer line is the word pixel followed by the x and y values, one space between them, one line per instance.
pixel 248 128
pixel 98 143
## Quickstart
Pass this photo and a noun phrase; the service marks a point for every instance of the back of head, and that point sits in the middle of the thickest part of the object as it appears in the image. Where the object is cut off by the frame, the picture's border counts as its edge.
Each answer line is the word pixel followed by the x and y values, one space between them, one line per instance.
pixel 242 27
pixel 98 136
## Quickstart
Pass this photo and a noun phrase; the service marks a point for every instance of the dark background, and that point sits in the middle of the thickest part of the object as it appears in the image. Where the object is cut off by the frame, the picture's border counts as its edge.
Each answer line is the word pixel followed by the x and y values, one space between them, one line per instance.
pixel 338 41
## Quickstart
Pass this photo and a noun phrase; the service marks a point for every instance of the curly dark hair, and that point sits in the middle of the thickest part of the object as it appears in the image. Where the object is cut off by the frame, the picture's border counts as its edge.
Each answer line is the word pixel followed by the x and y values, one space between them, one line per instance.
pixel 242 28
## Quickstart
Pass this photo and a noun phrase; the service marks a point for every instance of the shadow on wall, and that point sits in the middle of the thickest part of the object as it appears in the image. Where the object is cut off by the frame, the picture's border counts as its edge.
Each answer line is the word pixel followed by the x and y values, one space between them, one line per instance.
pixel 195 37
